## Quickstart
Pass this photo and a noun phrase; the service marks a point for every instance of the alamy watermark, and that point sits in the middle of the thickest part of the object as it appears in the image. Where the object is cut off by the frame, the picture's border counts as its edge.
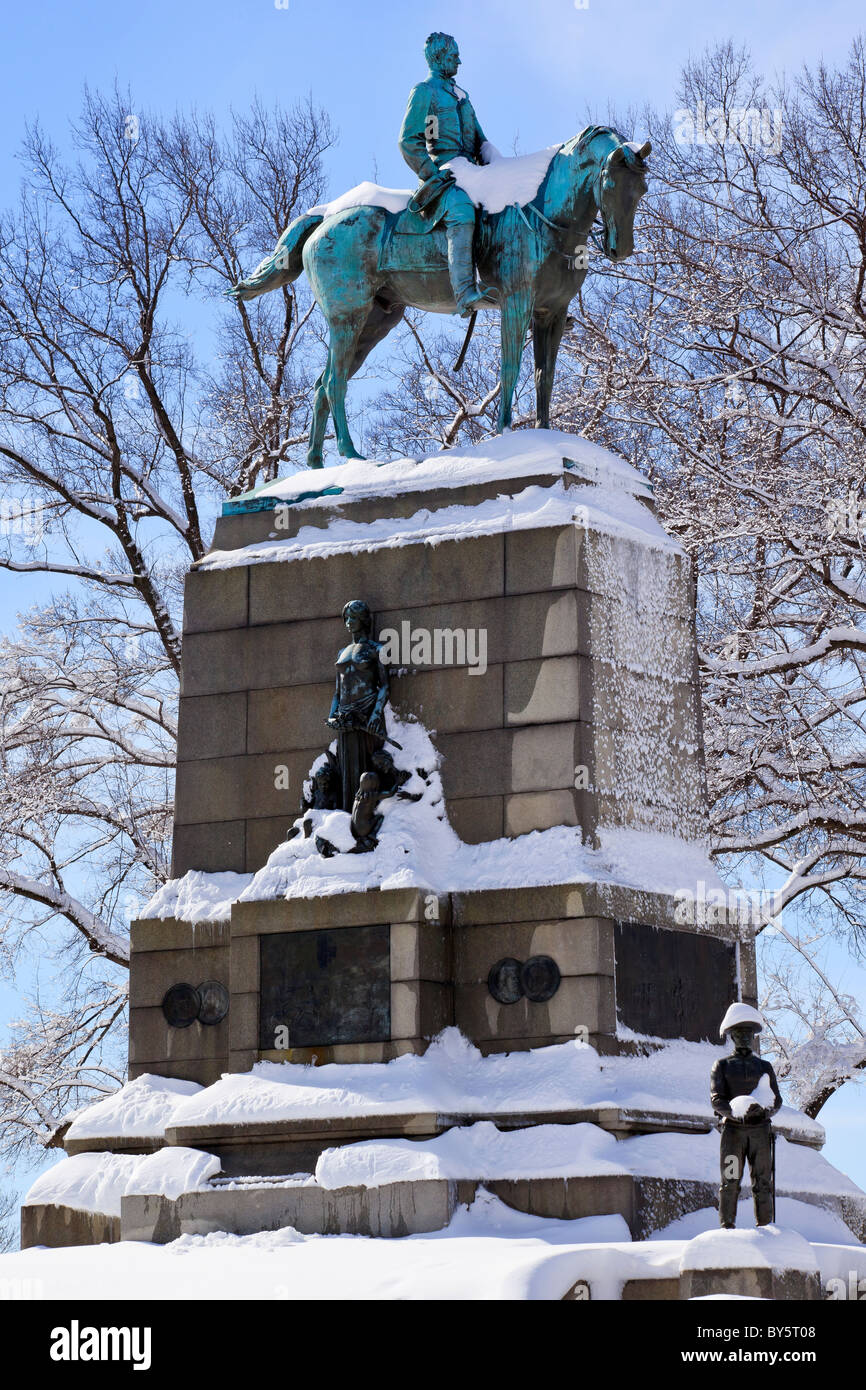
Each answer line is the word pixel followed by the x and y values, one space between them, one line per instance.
pixel 437 646
pixel 846 516
pixel 754 127
pixel 23 517
pixel 853 1288
pixel 702 906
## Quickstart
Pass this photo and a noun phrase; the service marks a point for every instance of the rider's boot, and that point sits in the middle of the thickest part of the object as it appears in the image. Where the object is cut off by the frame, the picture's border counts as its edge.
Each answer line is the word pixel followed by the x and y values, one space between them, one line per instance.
pixel 468 295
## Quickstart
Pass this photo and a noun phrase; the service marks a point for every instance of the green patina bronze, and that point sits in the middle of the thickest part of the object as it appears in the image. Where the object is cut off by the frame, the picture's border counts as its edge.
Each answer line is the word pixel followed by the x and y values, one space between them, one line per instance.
pixel 366 265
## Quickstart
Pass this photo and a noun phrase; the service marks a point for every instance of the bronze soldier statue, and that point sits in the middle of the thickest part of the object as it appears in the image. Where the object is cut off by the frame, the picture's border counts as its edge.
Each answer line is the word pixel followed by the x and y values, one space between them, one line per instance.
pixel 440 124
pixel 747 1132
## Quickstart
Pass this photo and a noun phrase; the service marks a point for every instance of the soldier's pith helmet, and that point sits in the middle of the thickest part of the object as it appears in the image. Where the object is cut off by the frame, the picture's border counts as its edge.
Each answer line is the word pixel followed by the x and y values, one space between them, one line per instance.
pixel 741 1014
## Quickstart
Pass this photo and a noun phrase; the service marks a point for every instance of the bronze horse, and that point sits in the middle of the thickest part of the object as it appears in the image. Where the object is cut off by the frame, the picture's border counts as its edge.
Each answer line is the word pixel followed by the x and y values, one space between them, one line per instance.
pixel 535 256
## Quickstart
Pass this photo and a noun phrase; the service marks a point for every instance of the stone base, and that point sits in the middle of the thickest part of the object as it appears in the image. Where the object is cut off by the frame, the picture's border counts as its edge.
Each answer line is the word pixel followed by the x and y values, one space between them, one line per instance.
pixel 751 1283
pixel 769 1262
pixel 56 1225
pixel 366 977
pixel 294 1146
pixel 401 1208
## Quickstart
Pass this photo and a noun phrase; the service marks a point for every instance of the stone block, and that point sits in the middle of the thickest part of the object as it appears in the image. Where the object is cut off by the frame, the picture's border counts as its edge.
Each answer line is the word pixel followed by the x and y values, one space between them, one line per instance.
pixel 312 588
pixel 654 1290
pixel 477 819
pixel 244 964
pixel 651 707
pixel 568 1199
pixel 782 1285
pixel 420 951
pixel 541 559
pixel 257 658
pixel 517 627
pixel 541 625
pixel 214 599
pixel 243 1060
pixel 659 581
pixel 542 692
pixel 623 632
pixel 153 972
pixel 475 764
pixel 537 904
pixel 544 757
pixel 212 846
pixel 497 762
pixel 748 972
pixel 54 1225
pixel 526 811
pixel 244 1021
pixel 212 726
pixel 203 1070
pixel 579 945
pixel 151 1037
pixel 420 1008
pixel 263 835
pixel 291 716
pixel 449 699
pixel 394 1210
pixel 634 773
pixel 581 1002
pixel 337 910
pixel 233 789
pixel 659 1201
pixel 169 934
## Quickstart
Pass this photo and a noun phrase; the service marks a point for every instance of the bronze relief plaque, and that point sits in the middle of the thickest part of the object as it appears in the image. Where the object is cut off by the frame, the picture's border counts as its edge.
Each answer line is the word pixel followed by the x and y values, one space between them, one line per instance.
pixel 325 987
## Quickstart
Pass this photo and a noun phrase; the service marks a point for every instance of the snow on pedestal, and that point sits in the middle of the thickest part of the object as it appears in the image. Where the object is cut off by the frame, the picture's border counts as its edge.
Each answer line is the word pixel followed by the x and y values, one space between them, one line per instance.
pixel 768 1262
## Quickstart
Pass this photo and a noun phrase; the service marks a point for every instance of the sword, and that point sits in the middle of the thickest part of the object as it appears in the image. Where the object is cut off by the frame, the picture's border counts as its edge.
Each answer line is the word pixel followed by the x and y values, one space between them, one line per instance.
pixel 384 737
pixel 466 341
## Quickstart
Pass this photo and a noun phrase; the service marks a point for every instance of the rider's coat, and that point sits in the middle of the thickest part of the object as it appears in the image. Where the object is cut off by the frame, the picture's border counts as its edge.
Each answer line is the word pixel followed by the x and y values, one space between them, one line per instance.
pixel 440 123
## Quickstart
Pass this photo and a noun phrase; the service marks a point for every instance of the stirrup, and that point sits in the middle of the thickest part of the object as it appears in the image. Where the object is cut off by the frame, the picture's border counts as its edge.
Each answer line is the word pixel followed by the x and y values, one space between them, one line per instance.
pixel 484 297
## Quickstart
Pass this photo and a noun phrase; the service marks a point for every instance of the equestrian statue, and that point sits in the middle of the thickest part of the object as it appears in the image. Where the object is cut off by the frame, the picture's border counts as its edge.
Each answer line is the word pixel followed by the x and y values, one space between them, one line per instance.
pixel 366 264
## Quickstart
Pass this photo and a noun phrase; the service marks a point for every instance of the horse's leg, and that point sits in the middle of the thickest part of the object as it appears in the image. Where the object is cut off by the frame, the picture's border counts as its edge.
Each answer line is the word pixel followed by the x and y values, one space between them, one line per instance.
pixel 382 318
pixel 345 336
pixel 516 313
pixel 317 428
pixel 547 331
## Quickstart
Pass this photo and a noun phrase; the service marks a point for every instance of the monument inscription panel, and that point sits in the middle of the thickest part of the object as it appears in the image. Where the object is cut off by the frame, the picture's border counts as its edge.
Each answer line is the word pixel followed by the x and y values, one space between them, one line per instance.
pixel 325 987
pixel 672 984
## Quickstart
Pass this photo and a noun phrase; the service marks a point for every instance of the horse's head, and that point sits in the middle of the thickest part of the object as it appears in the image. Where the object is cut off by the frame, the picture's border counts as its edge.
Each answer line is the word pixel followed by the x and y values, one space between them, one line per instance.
pixel 620 184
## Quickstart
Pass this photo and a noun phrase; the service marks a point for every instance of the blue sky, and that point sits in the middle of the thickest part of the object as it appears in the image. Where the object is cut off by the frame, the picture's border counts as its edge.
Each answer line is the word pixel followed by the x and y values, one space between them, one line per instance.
pixel 532 68
pixel 537 70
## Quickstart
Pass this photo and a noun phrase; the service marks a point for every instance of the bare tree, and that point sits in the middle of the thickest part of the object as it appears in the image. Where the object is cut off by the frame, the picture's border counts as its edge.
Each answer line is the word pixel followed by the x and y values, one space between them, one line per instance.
pixel 132 398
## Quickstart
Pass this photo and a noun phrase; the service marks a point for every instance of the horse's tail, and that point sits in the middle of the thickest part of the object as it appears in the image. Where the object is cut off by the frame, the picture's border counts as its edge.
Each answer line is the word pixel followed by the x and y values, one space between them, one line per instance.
pixel 284 265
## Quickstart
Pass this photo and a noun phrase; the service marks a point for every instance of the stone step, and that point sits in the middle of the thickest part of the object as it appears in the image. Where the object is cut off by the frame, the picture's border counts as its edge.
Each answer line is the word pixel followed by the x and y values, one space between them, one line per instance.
pixel 646 1204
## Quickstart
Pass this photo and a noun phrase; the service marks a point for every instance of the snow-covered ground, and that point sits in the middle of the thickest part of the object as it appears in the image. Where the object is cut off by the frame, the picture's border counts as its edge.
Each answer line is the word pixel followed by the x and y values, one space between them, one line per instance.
pixel 487 1252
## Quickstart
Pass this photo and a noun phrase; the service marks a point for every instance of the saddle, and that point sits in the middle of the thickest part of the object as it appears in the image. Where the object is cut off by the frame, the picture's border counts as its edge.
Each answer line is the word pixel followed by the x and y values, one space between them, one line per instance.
pixel 411 243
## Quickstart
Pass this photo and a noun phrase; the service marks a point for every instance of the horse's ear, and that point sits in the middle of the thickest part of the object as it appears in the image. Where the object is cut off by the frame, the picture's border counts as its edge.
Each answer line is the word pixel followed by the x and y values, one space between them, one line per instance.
pixel 616 156
pixel 645 150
